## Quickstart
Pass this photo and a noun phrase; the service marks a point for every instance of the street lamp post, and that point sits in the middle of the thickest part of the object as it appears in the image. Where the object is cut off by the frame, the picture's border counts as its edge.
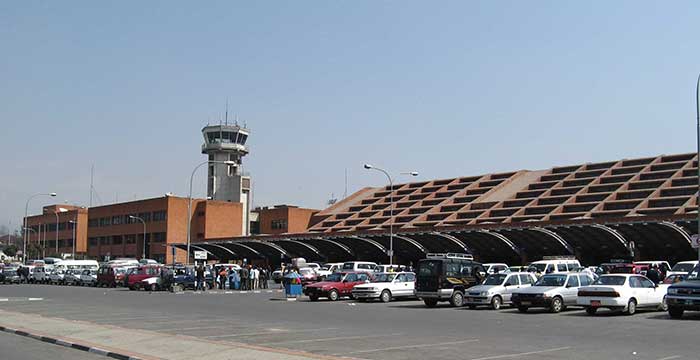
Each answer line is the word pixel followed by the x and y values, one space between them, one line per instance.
pixel 26 209
pixel 74 222
pixel 143 251
pixel 189 202
pixel 697 118
pixel 391 207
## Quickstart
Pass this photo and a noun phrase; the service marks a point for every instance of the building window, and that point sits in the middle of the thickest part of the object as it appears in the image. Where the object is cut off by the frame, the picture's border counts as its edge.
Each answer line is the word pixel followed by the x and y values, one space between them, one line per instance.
pixel 279 224
pixel 160 215
pixel 91 223
pixel 130 239
pixel 117 240
pixel 116 220
pixel 92 241
pixel 200 213
pixel 145 216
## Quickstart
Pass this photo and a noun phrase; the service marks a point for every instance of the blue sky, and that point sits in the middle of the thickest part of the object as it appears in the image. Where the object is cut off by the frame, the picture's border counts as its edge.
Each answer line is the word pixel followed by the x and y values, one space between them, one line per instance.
pixel 447 89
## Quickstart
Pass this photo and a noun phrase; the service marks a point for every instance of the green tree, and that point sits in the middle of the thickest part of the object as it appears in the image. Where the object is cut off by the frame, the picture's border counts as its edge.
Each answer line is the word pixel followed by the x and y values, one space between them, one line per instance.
pixel 10 250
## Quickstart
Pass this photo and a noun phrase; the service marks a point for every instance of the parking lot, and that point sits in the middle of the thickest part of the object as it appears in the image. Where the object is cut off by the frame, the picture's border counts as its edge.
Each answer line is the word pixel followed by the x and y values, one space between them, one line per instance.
pixel 396 330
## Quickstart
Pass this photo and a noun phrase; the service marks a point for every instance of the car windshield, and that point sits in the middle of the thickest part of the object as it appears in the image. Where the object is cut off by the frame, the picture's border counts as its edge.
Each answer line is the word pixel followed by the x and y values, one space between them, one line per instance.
pixel 384 278
pixel 334 277
pixel 695 274
pixel 429 268
pixel 683 267
pixel 551 280
pixel 537 267
pixel 610 280
pixel 306 271
pixel 495 279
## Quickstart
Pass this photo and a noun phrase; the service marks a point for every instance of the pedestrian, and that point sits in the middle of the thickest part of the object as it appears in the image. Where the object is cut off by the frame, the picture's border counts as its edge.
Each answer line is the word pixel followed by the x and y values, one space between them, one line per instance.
pixel 256 278
pixel 199 273
pixel 20 274
pixel 653 274
pixel 244 278
pixel 234 279
pixel 264 277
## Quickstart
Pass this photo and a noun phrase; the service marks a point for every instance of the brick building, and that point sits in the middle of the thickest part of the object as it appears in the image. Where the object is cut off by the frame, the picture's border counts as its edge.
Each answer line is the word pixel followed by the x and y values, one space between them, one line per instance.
pixel 281 219
pixel 65 218
pixel 109 231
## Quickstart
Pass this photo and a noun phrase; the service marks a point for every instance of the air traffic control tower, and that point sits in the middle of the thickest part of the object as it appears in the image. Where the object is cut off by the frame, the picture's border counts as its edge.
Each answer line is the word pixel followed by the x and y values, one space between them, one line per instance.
pixel 228 182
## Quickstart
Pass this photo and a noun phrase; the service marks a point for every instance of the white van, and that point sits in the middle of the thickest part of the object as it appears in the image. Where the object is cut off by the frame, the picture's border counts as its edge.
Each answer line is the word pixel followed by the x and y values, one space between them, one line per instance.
pixel 495 268
pixel 77 265
pixel 549 266
pixel 362 266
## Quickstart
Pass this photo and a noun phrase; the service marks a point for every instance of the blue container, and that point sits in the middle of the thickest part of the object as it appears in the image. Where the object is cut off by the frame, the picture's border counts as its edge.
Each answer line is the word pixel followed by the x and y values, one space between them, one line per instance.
pixel 292 289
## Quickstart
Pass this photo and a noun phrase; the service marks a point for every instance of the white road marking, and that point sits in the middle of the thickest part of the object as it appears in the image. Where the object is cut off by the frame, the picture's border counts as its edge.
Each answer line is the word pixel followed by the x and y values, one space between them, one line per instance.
pixel 3 300
pixel 269 332
pixel 671 357
pixel 329 339
pixel 522 354
pixel 406 347
pixel 35 299
pixel 145 317
pixel 222 327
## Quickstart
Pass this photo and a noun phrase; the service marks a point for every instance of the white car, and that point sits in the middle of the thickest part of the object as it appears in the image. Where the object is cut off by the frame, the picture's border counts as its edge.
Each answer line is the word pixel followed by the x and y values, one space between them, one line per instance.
pixel 497 289
pixel 88 277
pixel 72 277
pixel 328 269
pixel 56 277
pixel 39 275
pixel 682 268
pixel 552 291
pixel 386 286
pixel 495 268
pixel 361 266
pixel 626 292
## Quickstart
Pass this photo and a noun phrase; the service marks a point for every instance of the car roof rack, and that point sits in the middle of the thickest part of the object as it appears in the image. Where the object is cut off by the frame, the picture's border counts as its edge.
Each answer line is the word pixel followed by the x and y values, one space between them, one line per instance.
pixel 449 256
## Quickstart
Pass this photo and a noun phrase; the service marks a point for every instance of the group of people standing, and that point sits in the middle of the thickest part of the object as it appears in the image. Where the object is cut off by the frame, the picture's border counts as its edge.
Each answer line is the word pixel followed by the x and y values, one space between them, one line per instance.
pixel 248 277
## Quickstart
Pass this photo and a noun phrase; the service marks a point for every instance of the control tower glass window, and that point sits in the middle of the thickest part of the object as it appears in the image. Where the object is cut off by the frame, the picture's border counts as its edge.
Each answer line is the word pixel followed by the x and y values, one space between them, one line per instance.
pixel 242 139
pixel 212 138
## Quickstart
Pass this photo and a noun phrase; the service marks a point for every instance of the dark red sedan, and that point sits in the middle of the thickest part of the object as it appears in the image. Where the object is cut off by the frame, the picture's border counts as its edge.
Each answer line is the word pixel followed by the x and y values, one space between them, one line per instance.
pixel 336 285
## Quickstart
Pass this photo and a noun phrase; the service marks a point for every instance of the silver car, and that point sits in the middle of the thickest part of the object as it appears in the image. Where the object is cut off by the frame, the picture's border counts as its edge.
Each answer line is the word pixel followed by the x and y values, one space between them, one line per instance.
pixel 497 289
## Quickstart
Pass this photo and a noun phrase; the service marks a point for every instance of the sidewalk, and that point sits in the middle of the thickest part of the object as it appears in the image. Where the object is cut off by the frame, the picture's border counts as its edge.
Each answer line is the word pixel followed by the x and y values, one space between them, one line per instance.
pixel 140 344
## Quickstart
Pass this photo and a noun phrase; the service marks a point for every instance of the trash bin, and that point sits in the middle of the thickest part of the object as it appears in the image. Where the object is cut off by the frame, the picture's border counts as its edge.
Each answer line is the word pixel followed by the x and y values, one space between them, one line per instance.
pixel 292 285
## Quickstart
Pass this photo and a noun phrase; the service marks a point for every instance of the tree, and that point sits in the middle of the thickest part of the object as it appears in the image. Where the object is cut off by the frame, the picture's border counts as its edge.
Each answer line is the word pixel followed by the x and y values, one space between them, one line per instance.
pixel 10 250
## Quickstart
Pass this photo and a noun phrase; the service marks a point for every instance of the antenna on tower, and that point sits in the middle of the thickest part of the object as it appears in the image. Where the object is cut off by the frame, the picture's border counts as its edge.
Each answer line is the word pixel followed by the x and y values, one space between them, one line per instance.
pixel 226 116
pixel 236 119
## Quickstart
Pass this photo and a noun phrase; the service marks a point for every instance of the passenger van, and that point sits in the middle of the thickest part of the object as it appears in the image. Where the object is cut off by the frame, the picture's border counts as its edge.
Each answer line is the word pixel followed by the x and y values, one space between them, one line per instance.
pixel 446 277
pixel 554 264
pixel 361 266
pixel 76 265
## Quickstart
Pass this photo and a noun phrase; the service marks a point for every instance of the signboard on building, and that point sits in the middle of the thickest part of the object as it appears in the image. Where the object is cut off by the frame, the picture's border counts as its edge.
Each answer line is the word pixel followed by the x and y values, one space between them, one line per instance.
pixel 200 255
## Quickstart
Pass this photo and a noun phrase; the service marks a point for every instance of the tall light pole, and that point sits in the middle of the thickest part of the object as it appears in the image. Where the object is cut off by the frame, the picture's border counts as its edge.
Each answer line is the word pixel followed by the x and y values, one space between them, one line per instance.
pixel 189 201
pixel 26 209
pixel 697 118
pixel 143 252
pixel 391 207
pixel 74 222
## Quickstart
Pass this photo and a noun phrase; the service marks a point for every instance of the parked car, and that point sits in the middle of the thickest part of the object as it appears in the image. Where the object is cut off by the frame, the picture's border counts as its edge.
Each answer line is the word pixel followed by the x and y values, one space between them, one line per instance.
pixel 11 276
pixel 622 292
pixel 682 267
pixel 107 276
pixel 185 277
pixel 308 275
pixel 277 276
pixel 38 275
pixel 497 289
pixel 142 272
pixel 158 283
pixel 386 286
pixel 685 295
pixel 446 277
pixel 381 268
pixel 674 278
pixel 328 269
pixel 552 291
pixel 629 269
pixel 72 277
pixel 88 278
pixel 495 268
pixel 663 266
pixel 553 265
pixel 336 285
pixel 56 277
pixel 359 266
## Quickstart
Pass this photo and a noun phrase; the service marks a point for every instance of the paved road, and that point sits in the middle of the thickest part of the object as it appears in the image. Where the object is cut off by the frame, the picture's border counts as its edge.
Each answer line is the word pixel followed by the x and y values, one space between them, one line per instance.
pixel 398 330
pixel 15 347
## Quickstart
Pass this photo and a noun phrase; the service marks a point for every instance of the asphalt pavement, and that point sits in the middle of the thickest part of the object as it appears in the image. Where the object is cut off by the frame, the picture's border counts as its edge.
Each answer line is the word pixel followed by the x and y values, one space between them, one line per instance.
pixel 398 330
pixel 15 347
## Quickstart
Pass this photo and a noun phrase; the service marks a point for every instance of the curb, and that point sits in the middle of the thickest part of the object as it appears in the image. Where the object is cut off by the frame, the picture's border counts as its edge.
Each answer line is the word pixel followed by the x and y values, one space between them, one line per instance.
pixel 67 344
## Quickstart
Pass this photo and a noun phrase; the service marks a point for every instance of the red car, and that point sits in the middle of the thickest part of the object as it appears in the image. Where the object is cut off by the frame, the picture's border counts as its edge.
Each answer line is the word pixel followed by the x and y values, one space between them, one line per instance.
pixel 112 276
pixel 630 269
pixel 134 277
pixel 336 285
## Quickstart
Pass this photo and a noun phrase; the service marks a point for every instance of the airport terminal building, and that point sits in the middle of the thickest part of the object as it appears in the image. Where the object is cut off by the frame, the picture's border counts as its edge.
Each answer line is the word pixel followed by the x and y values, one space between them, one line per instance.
pixel 645 208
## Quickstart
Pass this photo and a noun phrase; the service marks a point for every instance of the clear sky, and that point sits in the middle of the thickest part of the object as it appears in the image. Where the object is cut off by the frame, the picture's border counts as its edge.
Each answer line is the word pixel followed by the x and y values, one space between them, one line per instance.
pixel 445 88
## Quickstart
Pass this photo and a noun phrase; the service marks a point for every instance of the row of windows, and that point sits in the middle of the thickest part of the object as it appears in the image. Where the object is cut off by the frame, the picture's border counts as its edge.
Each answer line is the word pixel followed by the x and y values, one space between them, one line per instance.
pixel 126 239
pixel 126 219
pixel 51 227
pixel 279 224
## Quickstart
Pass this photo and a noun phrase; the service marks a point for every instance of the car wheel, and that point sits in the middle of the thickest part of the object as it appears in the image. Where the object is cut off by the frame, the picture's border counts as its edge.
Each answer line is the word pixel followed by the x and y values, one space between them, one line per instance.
pixel 385 296
pixel 333 295
pixel 591 310
pixel 664 305
pixel 522 309
pixel 313 298
pixel 631 307
pixel 557 305
pixel 431 303
pixel 496 302
pixel 675 312
pixel 154 287
pixel 457 299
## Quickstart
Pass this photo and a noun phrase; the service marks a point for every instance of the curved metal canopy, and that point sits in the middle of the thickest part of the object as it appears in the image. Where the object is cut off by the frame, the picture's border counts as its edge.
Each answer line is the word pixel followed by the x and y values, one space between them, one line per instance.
pixel 556 238
pixel 301 244
pixel 502 238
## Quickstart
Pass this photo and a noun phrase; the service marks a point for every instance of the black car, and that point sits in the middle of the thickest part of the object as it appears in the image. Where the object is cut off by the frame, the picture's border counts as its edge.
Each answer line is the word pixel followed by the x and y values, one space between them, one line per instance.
pixel 684 295
pixel 446 277
pixel 184 278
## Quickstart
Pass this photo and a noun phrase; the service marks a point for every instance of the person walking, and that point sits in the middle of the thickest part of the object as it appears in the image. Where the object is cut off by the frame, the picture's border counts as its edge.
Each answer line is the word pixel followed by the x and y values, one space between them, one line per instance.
pixel 222 278
pixel 653 274
pixel 264 277
pixel 244 278
pixel 256 278
pixel 199 275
